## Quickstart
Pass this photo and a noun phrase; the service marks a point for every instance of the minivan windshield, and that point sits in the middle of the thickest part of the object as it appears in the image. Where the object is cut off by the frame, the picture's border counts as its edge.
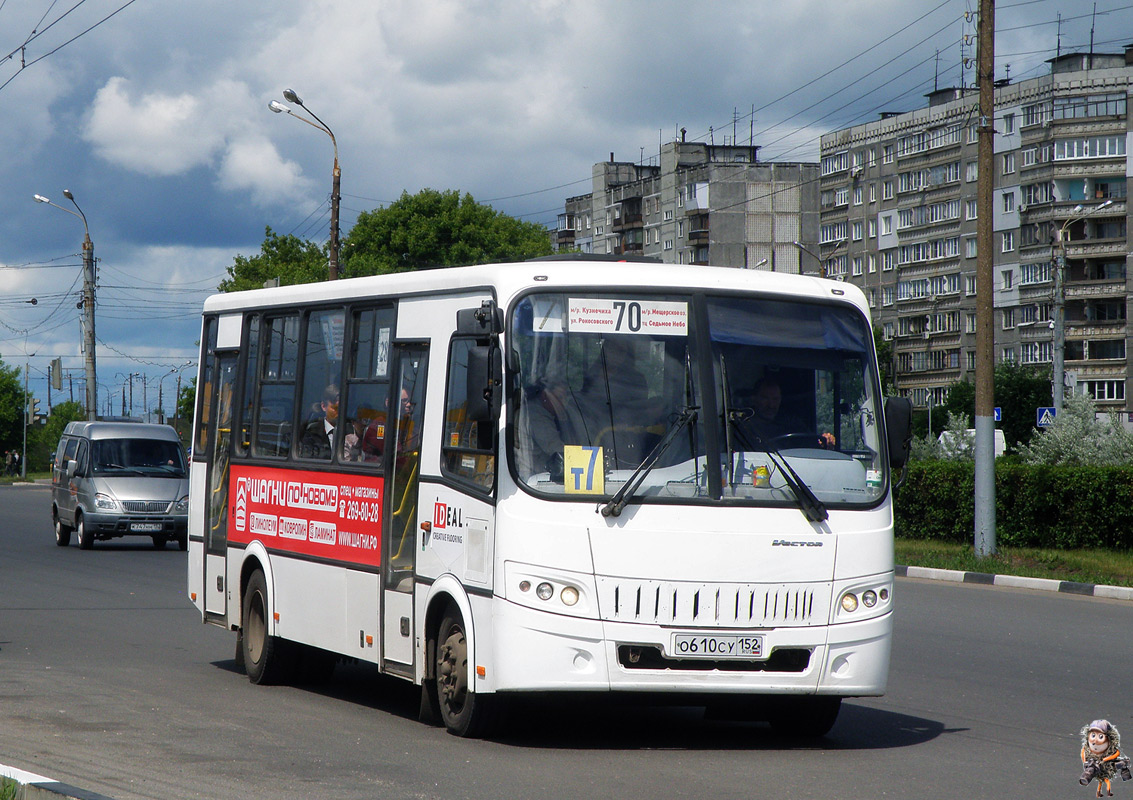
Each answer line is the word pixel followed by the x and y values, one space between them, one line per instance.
pixel 775 398
pixel 150 457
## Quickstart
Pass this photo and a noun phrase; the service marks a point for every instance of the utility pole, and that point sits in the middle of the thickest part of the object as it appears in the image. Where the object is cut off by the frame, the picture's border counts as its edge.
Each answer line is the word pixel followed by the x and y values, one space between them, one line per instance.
pixel 985 292
pixel 88 320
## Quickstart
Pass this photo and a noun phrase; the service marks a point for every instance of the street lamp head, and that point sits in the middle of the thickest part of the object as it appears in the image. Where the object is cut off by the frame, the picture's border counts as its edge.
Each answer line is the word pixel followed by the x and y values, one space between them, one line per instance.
pixel 1106 204
pixel 290 96
pixel 278 107
pixel 40 198
pixel 68 195
pixel 1078 209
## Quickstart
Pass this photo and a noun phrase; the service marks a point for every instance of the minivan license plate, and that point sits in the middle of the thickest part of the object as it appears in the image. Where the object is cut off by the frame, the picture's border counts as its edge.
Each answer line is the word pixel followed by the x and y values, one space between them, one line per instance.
pixel 698 645
pixel 146 527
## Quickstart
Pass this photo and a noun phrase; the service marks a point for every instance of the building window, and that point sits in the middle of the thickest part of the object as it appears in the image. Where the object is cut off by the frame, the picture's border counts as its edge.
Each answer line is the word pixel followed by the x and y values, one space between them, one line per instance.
pixel 872 228
pixel 887 154
pixel 1008 241
pixel 1008 163
pixel 1007 355
pixel 857 266
pixel 1008 319
pixel 872 263
pixel 969 323
pixel 887 260
pixel 668 215
pixel 1030 156
pixel 857 195
pixel 680 227
pixel 668 244
pixel 971 209
pixel 973 133
pixel 969 285
pixel 1105 390
pixel 972 171
pixel 1008 124
pixel 873 192
pixel 887 299
pixel 856 230
pixel 1008 279
pixel 887 225
pixel 887 190
pixel 1008 202
pixel 970 359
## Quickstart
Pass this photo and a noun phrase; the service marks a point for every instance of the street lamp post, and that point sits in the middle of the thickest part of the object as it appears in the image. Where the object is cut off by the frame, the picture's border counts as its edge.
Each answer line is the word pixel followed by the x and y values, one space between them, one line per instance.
pixel 1058 354
pixel 279 108
pixel 819 259
pixel 88 303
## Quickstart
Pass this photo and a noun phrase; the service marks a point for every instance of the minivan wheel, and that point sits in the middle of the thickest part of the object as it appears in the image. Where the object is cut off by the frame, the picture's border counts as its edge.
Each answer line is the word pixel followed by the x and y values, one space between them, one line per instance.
pixel 62 533
pixel 86 537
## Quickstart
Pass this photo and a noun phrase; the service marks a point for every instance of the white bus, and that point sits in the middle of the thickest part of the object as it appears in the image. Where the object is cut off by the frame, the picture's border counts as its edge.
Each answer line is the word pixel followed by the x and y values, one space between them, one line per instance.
pixel 552 476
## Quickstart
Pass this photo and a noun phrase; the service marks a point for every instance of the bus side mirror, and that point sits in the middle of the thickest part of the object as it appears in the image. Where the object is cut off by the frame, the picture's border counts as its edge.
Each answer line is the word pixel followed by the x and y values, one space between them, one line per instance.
pixel 898 429
pixel 485 379
pixel 72 467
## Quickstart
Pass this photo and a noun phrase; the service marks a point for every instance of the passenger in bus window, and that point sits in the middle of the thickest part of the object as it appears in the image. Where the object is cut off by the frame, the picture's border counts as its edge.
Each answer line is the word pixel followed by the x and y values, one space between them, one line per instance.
pixel 625 421
pixel 318 435
pixel 549 421
pixel 371 442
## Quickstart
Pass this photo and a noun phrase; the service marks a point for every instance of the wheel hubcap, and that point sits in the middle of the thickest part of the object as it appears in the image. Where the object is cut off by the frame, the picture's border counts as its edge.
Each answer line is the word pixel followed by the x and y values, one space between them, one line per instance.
pixel 452 672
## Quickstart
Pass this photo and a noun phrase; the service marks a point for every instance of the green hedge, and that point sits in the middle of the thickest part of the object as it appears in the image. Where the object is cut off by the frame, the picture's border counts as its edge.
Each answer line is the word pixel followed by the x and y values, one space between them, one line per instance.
pixel 1036 506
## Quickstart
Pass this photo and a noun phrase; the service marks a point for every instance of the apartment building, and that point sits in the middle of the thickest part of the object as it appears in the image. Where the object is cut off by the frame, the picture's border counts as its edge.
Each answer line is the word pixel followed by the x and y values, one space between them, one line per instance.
pixel 702 204
pixel 899 206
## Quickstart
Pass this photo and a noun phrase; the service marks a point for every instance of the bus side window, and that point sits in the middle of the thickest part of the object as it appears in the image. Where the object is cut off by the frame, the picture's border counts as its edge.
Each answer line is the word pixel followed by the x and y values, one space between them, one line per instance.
pixel 469 447
pixel 366 409
pixel 280 342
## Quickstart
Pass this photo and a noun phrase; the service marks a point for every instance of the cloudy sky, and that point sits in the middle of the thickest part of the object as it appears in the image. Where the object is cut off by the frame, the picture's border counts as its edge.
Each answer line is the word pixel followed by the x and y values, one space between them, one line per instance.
pixel 154 114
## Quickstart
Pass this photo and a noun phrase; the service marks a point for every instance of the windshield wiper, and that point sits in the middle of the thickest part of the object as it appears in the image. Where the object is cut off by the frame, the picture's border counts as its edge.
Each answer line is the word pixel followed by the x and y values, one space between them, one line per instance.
pixel 812 508
pixel 809 504
pixel 623 495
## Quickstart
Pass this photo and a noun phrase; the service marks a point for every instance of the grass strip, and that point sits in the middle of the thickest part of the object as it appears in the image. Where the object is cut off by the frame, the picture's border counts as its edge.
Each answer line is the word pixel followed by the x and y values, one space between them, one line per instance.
pixel 1108 567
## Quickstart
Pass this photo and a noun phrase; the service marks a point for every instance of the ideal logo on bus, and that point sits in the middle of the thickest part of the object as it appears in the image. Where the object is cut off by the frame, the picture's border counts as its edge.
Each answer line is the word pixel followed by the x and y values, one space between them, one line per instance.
pixel 444 517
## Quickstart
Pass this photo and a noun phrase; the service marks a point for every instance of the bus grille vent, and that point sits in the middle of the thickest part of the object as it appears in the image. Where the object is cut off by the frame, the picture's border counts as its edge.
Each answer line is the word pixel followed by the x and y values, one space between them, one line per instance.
pixel 146 506
pixel 725 605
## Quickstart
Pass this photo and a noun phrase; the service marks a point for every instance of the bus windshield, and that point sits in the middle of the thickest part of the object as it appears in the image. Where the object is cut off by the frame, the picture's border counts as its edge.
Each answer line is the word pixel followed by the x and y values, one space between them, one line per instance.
pixel 742 399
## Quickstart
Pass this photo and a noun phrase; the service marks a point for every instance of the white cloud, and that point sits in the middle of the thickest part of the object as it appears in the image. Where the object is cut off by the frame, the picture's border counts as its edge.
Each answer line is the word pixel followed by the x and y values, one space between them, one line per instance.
pixel 252 163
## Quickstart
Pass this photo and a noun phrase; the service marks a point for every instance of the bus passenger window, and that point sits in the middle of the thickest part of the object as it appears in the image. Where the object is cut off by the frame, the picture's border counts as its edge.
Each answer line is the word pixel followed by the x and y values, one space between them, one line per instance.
pixel 322 376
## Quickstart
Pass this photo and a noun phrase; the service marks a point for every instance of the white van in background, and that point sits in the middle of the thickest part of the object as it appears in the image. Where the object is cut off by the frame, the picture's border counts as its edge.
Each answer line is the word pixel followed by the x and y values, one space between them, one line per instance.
pixel 113 479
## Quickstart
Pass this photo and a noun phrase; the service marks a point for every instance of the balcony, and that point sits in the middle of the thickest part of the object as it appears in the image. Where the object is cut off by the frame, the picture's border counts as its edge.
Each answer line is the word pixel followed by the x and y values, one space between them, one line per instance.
pixel 626 222
pixel 699 236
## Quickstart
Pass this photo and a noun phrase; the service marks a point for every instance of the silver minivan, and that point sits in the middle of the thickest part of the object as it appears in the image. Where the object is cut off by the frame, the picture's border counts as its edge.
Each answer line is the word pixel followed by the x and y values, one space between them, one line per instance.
pixel 114 479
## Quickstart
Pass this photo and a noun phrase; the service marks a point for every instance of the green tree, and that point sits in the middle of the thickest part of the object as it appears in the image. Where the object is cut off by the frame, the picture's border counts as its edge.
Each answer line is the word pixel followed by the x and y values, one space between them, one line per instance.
pixel 884 361
pixel 187 402
pixel 1019 391
pixel 438 229
pixel 290 259
pixel 12 402
pixel 42 443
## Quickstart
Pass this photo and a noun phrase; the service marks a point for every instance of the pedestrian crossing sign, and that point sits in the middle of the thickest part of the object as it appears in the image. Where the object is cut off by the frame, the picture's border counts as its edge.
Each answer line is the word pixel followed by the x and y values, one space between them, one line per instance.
pixel 1044 416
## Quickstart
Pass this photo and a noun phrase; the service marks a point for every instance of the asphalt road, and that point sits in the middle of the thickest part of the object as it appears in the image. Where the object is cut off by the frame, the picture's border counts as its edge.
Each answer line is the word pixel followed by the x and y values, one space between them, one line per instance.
pixel 108 681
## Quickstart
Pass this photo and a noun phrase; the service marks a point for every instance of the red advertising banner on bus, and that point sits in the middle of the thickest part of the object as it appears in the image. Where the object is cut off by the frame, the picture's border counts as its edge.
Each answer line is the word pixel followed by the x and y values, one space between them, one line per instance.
pixel 318 514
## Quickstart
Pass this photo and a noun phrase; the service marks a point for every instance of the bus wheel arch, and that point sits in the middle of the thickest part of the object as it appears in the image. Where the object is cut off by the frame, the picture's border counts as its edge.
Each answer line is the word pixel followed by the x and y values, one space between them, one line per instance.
pixel 448 692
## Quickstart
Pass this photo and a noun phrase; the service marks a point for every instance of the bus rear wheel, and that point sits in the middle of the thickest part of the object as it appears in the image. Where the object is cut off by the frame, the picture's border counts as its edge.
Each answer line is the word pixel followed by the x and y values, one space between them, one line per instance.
pixel 264 659
pixel 464 712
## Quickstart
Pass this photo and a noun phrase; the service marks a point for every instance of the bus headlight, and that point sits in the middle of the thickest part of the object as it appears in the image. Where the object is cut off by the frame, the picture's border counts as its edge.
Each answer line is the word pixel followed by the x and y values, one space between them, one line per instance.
pixel 860 599
pixel 869 598
pixel 849 602
pixel 569 595
pixel 544 591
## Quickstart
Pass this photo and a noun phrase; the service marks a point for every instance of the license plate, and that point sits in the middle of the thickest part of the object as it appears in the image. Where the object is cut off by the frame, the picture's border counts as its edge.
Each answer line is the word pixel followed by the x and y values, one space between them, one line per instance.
pixel 697 645
pixel 146 527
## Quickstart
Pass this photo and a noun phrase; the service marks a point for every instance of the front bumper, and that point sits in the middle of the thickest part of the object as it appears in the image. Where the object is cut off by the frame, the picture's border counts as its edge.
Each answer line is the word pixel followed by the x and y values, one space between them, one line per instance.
pixel 109 526
pixel 539 651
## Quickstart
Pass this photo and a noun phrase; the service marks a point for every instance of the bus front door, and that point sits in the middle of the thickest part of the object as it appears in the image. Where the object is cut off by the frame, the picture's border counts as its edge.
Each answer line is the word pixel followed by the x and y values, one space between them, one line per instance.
pixel 400 536
pixel 216 506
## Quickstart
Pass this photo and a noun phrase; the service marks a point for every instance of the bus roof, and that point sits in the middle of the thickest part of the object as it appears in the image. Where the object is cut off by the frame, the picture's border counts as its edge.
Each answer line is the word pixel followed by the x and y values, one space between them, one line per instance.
pixel 508 279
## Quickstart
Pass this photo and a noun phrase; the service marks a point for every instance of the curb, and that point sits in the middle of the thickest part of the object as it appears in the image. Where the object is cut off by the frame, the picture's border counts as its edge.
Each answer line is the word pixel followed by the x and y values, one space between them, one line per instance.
pixel 37 787
pixel 1016 582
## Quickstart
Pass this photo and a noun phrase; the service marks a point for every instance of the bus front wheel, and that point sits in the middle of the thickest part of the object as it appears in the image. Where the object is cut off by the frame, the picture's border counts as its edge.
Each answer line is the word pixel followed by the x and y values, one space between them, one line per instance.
pixel 464 712
pixel 263 654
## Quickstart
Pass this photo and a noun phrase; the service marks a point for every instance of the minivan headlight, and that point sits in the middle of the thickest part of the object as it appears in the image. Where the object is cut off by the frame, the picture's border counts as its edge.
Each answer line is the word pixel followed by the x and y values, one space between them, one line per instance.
pixel 105 502
pixel 181 506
